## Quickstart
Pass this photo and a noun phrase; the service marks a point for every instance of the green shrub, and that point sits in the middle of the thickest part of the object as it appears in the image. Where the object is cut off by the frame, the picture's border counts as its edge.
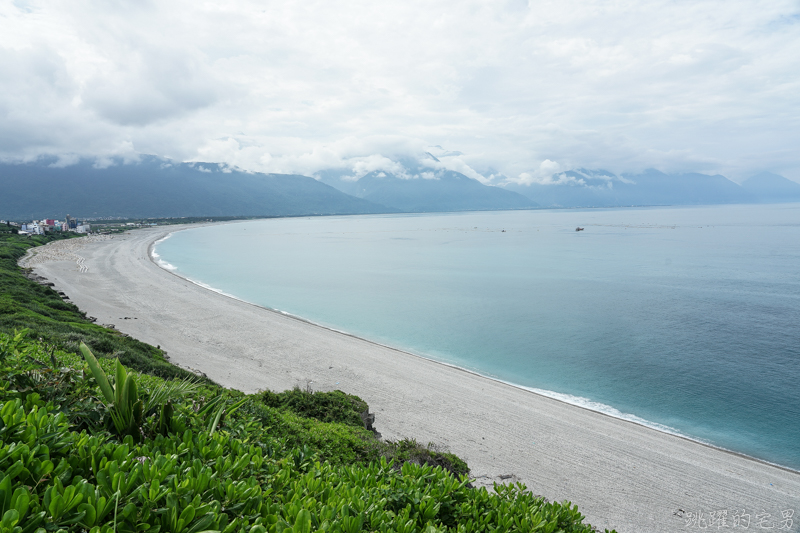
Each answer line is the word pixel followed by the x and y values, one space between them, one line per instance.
pixel 335 406
pixel 410 451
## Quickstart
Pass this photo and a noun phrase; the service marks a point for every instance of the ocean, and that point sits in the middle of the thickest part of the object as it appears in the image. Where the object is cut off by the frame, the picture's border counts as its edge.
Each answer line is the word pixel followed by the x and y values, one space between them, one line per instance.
pixel 685 319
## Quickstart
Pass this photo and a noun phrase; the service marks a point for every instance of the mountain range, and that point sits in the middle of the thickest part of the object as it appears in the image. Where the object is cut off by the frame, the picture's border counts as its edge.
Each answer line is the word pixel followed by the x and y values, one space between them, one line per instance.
pixel 771 188
pixel 155 187
pixel 443 190
pixel 600 188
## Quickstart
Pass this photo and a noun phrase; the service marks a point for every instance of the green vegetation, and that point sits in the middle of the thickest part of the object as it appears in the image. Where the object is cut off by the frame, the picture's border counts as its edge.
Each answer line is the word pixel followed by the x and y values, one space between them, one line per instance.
pixel 333 406
pixel 332 423
pixel 89 445
pixel 67 465
pixel 120 225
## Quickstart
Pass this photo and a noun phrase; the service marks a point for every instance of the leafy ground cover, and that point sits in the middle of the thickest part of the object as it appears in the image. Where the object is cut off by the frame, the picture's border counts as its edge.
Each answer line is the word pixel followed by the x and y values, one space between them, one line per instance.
pixel 88 445
pixel 209 465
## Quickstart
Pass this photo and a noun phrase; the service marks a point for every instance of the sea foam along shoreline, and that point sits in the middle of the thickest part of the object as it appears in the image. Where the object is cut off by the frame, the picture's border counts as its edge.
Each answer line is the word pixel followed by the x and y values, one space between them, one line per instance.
pixel 621 475
pixel 576 401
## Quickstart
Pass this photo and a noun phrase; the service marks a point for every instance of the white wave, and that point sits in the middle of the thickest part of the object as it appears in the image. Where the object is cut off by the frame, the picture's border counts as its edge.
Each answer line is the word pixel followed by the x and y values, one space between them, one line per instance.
pixel 157 258
pixel 598 407
pixel 162 239
pixel 214 289
pixel 160 262
pixel 163 264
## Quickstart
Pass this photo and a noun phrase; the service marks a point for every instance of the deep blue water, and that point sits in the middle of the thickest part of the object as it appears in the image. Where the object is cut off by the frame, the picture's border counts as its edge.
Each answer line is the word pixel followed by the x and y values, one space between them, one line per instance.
pixel 687 319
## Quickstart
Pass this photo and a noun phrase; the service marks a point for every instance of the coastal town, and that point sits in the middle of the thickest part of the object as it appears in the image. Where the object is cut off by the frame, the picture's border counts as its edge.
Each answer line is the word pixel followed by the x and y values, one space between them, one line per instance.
pixel 47 225
pixel 95 226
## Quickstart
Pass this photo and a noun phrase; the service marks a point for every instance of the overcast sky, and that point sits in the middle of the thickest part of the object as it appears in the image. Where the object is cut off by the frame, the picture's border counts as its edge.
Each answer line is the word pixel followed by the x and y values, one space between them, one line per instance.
pixel 493 87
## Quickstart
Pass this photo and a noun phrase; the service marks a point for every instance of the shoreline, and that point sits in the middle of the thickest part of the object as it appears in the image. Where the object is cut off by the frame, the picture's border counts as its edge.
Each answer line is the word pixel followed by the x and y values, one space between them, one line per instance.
pixel 620 473
pixel 154 258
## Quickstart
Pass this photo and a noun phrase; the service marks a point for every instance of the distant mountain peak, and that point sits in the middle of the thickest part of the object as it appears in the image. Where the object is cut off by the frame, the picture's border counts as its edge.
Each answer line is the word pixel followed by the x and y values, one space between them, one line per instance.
pixel 425 189
pixel 600 188
pixel 767 187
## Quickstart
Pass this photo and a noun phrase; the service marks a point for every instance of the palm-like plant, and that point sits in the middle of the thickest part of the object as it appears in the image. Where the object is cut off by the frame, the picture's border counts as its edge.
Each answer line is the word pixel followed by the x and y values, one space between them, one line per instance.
pixel 126 409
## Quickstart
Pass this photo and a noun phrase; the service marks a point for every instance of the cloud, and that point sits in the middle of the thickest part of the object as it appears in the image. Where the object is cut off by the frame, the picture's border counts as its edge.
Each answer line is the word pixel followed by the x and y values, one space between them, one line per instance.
pixel 545 174
pixel 709 86
pixel 65 160
pixel 362 166
pixel 144 90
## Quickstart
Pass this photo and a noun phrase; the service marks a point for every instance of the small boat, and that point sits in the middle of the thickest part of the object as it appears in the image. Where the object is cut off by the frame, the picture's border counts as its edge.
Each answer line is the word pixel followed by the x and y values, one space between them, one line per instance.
pixel 579 228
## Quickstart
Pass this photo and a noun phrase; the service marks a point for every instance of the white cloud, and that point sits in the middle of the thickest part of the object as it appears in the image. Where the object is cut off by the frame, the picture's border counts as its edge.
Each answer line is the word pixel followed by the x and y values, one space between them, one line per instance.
pixel 546 174
pixel 65 160
pixel 709 86
pixel 364 165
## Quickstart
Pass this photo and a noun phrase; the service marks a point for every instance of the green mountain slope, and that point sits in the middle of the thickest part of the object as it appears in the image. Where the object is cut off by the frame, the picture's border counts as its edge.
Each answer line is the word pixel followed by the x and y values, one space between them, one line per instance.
pixel 159 188
pixel 443 191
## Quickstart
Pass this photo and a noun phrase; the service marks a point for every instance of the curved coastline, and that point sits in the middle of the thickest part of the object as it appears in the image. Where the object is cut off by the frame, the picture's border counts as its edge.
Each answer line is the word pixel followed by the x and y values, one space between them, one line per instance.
pixel 580 402
pixel 620 474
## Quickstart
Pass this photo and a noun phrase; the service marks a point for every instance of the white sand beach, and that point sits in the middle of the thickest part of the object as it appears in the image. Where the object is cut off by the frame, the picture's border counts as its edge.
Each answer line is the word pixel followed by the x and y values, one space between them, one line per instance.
pixel 620 474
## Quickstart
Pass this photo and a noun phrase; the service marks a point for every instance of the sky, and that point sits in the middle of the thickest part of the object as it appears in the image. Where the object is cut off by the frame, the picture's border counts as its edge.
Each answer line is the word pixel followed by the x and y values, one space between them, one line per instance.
pixel 499 90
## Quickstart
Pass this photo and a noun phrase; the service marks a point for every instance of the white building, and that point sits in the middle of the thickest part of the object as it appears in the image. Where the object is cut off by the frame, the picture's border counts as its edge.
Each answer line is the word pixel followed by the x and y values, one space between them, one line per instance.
pixel 32 228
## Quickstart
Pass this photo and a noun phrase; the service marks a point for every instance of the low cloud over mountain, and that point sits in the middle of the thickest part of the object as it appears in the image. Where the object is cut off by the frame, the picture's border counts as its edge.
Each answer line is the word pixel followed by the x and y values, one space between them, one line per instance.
pixel 154 187
pixel 426 191
pixel 600 188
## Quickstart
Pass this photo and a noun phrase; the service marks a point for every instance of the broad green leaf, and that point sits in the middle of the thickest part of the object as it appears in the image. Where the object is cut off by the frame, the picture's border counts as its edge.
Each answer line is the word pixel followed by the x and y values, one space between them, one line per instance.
pixel 90 516
pixel 303 522
pixel 20 501
pixel 10 519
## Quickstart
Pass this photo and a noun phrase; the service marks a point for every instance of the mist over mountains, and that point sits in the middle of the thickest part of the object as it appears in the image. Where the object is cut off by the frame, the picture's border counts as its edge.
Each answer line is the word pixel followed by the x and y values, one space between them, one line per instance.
pixel 771 188
pixel 600 188
pixel 431 189
pixel 443 190
pixel 155 187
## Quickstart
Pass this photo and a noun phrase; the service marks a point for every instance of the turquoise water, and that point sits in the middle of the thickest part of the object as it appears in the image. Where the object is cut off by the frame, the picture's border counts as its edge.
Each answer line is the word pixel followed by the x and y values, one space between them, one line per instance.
pixel 686 319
